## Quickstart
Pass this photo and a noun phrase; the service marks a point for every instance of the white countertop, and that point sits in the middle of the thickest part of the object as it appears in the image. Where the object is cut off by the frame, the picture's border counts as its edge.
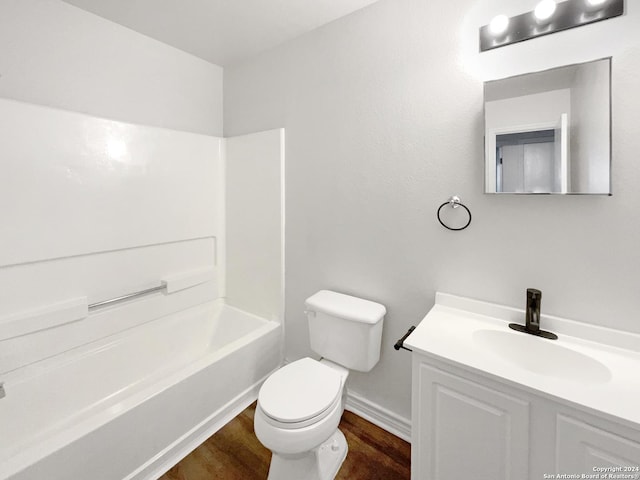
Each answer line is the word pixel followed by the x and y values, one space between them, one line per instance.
pixel 602 375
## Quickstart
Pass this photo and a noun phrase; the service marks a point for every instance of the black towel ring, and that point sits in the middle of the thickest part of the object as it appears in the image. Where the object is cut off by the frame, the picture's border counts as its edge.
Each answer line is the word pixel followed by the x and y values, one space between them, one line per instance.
pixel 454 202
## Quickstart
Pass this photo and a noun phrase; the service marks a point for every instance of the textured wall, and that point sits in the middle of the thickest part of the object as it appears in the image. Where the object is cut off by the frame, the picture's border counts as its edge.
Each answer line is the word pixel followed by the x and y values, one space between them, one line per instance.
pixel 54 54
pixel 383 112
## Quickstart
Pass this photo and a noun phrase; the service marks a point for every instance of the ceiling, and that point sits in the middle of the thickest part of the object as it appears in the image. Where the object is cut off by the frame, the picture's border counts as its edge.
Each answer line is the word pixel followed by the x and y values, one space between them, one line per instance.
pixel 222 31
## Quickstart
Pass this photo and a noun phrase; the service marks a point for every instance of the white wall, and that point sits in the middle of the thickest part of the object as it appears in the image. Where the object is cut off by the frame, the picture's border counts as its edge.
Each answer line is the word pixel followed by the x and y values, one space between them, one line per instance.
pixel 590 132
pixel 383 113
pixel 52 53
pixel 254 223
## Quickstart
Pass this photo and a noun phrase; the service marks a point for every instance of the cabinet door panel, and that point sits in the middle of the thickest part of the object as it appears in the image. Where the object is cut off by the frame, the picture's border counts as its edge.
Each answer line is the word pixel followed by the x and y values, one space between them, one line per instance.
pixel 469 431
pixel 582 447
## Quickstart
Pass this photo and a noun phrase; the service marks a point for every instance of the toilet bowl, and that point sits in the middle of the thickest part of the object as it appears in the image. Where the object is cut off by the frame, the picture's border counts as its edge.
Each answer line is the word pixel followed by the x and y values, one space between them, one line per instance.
pixel 300 405
pixel 299 409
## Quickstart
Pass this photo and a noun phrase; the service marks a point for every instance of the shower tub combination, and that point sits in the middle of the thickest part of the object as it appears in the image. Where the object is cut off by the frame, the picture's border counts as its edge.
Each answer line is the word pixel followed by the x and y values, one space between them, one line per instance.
pixel 132 405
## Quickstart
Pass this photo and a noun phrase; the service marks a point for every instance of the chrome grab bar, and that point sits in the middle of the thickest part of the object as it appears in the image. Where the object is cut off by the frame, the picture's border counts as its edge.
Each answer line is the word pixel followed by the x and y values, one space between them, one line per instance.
pixel 129 296
pixel 105 303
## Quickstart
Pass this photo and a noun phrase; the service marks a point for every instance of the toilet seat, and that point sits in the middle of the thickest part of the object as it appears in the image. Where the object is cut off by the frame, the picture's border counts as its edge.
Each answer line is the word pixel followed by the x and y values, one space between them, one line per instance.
pixel 300 394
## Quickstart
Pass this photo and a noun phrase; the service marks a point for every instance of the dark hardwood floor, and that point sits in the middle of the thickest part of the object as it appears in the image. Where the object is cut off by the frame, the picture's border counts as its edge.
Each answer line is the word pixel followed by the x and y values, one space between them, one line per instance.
pixel 234 453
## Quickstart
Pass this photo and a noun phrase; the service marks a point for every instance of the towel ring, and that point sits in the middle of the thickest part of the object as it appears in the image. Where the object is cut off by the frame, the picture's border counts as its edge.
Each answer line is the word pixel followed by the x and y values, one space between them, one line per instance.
pixel 454 202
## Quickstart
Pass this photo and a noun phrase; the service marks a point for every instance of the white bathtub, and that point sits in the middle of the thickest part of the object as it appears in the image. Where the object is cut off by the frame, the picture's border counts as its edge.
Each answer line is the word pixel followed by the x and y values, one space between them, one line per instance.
pixel 131 406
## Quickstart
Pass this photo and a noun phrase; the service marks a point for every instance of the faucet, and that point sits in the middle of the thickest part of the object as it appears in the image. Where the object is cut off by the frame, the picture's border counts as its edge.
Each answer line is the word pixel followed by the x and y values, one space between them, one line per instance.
pixel 532 317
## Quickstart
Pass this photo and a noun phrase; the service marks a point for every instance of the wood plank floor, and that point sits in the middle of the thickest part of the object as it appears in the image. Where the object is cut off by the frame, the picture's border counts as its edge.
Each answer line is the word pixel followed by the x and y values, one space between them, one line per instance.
pixel 234 453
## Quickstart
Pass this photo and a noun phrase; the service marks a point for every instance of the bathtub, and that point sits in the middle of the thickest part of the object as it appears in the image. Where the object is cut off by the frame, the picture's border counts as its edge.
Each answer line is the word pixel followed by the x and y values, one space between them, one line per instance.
pixel 132 405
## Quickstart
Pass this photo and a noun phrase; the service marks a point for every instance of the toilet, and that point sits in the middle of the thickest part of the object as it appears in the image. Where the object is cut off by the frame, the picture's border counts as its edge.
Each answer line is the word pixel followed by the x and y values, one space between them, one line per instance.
pixel 300 405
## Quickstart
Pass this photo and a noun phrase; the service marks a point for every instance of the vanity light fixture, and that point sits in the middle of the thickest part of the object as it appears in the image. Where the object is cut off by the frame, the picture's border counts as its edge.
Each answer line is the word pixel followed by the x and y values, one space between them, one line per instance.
pixel 548 17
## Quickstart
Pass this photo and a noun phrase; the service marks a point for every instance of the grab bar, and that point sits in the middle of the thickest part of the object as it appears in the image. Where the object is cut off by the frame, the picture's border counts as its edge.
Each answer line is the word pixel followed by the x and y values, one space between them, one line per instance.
pixel 57 314
pixel 170 284
pixel 111 301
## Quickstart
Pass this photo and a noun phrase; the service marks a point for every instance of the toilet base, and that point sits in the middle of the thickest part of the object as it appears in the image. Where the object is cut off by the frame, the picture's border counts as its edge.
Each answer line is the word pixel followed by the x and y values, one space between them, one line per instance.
pixel 321 463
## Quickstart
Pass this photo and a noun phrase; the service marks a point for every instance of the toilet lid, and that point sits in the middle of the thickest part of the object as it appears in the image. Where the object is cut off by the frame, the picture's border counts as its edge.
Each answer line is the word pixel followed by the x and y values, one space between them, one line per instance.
pixel 299 391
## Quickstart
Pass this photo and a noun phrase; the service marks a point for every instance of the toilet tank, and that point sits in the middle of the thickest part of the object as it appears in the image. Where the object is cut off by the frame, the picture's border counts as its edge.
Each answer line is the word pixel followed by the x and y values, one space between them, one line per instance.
pixel 344 329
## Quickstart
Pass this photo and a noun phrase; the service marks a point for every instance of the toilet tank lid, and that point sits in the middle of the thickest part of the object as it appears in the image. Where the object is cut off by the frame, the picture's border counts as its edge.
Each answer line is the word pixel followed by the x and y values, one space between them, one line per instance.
pixel 346 306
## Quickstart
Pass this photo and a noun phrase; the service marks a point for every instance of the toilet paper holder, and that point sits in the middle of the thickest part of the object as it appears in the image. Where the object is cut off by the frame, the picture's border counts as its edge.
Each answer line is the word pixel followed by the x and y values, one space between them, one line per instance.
pixel 400 343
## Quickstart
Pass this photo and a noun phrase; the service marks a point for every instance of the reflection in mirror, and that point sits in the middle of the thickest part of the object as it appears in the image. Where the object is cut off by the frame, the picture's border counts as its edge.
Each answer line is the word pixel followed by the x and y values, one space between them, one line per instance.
pixel 550 132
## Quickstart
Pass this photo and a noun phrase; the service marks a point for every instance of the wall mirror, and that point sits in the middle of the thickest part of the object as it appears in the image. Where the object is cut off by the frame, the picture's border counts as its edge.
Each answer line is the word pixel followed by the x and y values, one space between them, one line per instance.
pixel 550 132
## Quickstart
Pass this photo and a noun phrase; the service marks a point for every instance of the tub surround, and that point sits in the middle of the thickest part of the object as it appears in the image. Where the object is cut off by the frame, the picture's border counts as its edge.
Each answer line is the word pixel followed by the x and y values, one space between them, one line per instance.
pixel 254 222
pixel 101 209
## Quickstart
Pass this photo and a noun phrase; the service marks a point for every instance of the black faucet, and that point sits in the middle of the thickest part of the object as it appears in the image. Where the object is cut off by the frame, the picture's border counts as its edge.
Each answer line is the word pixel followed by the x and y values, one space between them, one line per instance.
pixel 532 316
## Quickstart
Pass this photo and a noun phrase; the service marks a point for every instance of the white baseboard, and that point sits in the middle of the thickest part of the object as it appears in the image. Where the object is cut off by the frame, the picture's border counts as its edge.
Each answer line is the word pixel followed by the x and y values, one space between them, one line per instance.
pixel 167 458
pixel 380 416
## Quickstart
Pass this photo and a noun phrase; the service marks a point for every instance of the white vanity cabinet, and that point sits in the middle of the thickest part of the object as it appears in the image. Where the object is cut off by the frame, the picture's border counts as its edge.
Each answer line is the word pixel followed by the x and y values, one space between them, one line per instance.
pixel 581 446
pixel 463 429
pixel 484 414
pixel 469 426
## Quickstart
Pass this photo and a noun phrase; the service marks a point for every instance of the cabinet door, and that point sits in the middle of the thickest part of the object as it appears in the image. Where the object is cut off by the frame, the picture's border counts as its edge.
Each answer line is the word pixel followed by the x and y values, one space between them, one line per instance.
pixel 464 430
pixel 581 448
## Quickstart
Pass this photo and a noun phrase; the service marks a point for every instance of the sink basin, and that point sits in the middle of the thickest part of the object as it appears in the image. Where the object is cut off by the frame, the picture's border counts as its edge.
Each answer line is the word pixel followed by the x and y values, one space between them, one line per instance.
pixel 589 366
pixel 542 356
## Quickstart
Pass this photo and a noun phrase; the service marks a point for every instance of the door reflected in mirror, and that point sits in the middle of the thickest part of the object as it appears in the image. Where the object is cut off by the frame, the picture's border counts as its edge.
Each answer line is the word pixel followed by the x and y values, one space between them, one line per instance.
pixel 550 132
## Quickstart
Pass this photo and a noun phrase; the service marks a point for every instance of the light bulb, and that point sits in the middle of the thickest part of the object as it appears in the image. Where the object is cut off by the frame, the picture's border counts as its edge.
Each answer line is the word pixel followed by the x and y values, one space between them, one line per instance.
pixel 545 10
pixel 593 5
pixel 499 25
